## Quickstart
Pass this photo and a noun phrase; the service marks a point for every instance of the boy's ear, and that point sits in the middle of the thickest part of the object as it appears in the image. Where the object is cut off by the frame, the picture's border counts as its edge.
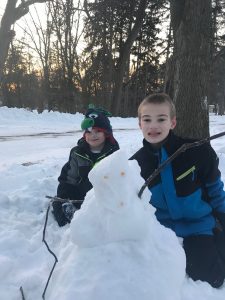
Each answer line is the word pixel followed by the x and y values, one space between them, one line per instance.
pixel 173 122
pixel 139 123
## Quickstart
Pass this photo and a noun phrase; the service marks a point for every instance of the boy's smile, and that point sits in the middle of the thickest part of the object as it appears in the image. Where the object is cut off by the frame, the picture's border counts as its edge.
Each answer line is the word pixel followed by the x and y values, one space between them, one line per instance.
pixel 156 122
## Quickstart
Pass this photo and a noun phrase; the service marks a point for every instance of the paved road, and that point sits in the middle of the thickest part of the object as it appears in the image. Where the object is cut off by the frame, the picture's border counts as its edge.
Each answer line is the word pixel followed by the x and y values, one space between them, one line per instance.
pixel 51 134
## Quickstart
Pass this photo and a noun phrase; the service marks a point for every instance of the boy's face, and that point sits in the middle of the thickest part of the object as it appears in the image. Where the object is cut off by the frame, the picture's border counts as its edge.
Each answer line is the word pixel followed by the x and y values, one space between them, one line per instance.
pixel 155 122
pixel 96 139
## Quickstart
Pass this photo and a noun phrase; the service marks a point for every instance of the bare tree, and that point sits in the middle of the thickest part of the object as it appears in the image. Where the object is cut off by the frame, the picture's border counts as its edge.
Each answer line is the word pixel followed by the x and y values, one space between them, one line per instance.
pixel 40 36
pixel 11 15
pixel 66 20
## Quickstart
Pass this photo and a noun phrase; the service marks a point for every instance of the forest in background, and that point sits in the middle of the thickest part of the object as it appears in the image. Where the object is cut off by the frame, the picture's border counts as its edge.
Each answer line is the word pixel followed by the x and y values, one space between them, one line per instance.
pixel 130 48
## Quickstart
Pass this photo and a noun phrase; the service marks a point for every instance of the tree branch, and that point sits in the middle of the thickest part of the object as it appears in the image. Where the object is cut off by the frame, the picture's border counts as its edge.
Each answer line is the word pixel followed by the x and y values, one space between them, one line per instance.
pixel 22 9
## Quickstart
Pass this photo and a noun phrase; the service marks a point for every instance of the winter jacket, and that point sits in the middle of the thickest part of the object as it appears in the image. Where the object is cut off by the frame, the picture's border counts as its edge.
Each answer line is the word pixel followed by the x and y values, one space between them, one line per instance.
pixel 73 180
pixel 189 191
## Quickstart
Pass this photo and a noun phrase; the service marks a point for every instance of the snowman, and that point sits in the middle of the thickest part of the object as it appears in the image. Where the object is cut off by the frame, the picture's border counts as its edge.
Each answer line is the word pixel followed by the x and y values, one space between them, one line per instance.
pixel 114 248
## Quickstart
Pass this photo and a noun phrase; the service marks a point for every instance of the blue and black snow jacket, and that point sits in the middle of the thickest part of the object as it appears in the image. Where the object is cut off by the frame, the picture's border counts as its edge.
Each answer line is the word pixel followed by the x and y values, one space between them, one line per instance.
pixel 189 190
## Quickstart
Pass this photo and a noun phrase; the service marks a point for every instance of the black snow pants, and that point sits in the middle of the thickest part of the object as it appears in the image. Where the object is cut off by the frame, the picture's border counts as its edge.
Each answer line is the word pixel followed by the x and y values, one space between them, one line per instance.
pixel 205 257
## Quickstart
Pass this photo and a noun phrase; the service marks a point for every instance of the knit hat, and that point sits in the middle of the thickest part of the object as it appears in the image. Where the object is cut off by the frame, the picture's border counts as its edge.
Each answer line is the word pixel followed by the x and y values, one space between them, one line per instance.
pixel 97 117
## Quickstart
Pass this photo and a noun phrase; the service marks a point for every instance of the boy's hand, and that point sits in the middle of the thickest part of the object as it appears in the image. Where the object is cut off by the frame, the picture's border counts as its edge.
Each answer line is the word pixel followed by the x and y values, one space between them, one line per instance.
pixel 59 213
pixel 68 209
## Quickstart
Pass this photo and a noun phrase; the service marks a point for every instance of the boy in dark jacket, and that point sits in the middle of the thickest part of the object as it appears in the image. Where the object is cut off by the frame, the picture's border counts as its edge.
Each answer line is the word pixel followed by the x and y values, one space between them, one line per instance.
pixel 97 143
pixel 188 194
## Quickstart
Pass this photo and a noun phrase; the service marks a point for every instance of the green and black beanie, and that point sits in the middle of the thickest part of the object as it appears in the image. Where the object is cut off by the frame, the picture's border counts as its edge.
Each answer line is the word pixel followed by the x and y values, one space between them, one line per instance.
pixel 97 117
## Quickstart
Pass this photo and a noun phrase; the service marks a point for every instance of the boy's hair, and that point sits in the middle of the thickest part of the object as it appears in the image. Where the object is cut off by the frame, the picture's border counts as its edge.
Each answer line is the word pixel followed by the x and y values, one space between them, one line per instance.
pixel 158 98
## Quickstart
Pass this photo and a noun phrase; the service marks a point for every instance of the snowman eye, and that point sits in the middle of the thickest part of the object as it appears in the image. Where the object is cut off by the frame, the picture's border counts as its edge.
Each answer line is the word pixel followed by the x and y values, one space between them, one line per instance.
pixel 93 116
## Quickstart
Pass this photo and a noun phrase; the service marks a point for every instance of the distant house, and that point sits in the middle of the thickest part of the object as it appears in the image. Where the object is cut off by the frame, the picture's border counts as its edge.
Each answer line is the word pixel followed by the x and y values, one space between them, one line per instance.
pixel 211 108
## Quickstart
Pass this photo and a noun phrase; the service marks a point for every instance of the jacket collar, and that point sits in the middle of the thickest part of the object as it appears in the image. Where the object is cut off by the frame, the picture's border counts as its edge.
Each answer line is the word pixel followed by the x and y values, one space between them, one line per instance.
pixel 84 147
pixel 171 144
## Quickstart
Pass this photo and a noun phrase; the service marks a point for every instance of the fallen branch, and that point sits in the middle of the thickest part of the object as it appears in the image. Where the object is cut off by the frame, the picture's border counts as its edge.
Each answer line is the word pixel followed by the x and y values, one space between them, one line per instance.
pixel 43 240
pixel 53 199
pixel 22 293
pixel 57 199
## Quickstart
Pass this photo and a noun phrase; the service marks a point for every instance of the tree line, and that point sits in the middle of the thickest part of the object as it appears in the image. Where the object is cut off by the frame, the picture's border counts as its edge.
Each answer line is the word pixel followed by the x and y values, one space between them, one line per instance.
pixel 130 48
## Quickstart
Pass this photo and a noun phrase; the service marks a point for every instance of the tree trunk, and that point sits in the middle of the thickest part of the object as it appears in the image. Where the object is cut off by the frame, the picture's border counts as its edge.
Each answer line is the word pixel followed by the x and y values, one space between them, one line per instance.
pixel 10 16
pixel 191 28
pixel 124 56
pixel 6 34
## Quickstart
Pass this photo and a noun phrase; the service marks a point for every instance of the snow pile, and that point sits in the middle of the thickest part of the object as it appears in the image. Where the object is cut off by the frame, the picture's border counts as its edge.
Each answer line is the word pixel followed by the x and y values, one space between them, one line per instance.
pixel 17 121
pixel 117 248
pixel 28 122
pixel 124 267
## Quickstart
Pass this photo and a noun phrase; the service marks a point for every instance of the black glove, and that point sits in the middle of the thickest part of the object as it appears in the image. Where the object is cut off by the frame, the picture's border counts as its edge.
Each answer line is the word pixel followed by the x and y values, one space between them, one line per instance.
pixel 59 214
pixel 68 209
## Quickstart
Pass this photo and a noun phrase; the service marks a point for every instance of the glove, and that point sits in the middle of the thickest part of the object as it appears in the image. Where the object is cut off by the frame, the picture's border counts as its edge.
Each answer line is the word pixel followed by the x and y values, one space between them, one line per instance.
pixel 68 209
pixel 58 213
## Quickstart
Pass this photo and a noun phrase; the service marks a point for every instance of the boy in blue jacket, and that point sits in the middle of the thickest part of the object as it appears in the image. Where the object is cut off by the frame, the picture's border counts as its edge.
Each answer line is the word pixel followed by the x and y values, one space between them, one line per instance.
pixel 188 193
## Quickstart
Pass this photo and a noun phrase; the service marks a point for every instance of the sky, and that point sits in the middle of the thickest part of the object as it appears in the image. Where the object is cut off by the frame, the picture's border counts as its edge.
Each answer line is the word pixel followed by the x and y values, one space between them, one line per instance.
pixel 26 24
pixel 2 7
pixel 20 23
pixel 114 248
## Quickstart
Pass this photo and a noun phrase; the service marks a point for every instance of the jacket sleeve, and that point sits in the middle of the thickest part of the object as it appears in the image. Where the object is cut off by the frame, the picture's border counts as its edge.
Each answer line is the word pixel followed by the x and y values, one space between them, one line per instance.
pixel 221 217
pixel 211 178
pixel 70 181
pixel 67 189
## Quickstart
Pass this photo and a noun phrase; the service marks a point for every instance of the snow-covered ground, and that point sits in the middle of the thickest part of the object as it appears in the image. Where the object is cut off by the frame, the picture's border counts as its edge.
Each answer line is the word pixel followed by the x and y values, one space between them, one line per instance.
pixel 114 248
